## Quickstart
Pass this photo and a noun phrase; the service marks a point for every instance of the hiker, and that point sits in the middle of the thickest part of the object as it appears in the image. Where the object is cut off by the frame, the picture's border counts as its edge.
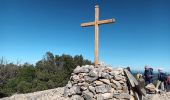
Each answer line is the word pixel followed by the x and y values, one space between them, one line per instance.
pixel 161 80
pixel 140 79
pixel 148 74
pixel 138 76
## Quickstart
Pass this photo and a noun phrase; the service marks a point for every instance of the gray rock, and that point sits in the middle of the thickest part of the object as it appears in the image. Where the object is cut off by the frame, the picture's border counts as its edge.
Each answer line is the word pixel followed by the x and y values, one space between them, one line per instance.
pixel 109 68
pixel 122 96
pixel 73 90
pixel 83 84
pixel 75 78
pixel 121 82
pixel 81 75
pixel 114 72
pixel 150 87
pixel 90 67
pixel 69 85
pixel 81 70
pixel 125 89
pixel 92 89
pixel 93 73
pixel 106 81
pixel 114 86
pixel 106 75
pixel 100 71
pixel 66 91
pixel 104 96
pixel 117 84
pixel 76 89
pixel 87 95
pixel 118 77
pixel 83 88
pixel 90 79
pixel 76 97
pixel 98 82
pixel 103 88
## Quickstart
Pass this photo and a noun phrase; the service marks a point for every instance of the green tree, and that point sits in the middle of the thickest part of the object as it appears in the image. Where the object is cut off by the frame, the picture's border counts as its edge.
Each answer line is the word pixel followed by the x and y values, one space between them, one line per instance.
pixel 24 87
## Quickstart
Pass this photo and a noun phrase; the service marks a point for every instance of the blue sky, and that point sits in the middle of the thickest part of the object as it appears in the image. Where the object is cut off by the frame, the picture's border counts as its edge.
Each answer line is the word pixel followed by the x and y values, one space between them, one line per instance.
pixel 140 36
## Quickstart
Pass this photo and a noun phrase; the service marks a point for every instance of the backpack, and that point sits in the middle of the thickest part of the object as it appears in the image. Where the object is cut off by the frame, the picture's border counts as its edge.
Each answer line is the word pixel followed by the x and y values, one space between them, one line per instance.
pixel 168 80
pixel 162 76
pixel 151 72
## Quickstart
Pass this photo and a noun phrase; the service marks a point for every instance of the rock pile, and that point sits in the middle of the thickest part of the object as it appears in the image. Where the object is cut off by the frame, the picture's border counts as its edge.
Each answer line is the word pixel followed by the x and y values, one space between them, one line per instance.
pixel 97 83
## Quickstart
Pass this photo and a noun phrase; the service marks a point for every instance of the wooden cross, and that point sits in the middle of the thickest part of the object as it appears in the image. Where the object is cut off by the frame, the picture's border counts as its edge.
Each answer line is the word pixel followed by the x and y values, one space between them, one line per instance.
pixel 96 23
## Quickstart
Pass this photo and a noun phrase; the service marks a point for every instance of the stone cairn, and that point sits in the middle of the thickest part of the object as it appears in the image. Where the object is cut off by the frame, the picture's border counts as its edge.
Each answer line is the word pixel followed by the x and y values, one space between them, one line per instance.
pixel 97 83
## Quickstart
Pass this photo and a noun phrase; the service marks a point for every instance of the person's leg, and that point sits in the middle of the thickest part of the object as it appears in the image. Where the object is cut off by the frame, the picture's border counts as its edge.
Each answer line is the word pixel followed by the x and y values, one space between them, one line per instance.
pixel 150 81
pixel 165 85
pixel 146 82
pixel 168 87
pixel 157 85
pixel 162 86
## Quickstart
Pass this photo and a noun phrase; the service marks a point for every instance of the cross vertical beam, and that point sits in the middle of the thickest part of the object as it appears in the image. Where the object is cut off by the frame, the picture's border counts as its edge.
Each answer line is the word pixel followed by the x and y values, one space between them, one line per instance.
pixel 96 51
pixel 96 23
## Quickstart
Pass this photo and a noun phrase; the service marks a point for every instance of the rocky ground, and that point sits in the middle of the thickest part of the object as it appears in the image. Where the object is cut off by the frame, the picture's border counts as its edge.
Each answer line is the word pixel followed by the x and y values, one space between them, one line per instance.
pixel 57 94
pixel 163 96
pixel 90 83
pixel 52 94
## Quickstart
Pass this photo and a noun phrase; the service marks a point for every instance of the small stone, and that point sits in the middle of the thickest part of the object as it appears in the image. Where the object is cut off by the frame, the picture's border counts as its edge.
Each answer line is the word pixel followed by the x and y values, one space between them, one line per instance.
pixel 104 96
pixel 82 74
pixel 105 81
pixel 103 88
pixel 100 70
pixel 112 90
pixel 106 75
pixel 74 90
pixel 99 97
pixel 118 85
pixel 87 95
pixel 114 72
pixel 90 67
pixel 109 68
pixel 83 84
pixel 122 96
pixel 75 78
pixel 90 79
pixel 98 83
pixel 121 82
pixel 92 89
pixel 66 91
pixel 83 88
pixel 77 97
pixel 93 73
pixel 82 69
pixel 69 85
pixel 125 89
pixel 118 77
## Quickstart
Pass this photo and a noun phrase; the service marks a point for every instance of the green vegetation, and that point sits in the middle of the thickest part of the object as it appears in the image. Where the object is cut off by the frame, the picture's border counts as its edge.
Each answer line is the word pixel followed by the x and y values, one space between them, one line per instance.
pixel 50 72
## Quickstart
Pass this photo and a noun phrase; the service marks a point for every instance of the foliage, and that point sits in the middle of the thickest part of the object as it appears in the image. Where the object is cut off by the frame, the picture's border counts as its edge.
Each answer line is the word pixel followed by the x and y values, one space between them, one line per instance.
pixel 50 72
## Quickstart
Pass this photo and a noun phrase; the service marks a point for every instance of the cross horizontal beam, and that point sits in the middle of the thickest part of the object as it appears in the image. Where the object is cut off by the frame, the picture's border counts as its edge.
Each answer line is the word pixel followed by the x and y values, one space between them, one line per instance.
pixel 98 22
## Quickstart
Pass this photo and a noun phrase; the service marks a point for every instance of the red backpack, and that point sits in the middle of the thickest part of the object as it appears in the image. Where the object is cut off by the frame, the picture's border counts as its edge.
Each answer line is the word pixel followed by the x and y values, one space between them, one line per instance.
pixel 168 80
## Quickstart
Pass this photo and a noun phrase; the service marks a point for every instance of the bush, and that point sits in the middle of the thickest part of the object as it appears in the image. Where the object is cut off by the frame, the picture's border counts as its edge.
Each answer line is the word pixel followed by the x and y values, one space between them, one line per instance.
pixel 50 72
